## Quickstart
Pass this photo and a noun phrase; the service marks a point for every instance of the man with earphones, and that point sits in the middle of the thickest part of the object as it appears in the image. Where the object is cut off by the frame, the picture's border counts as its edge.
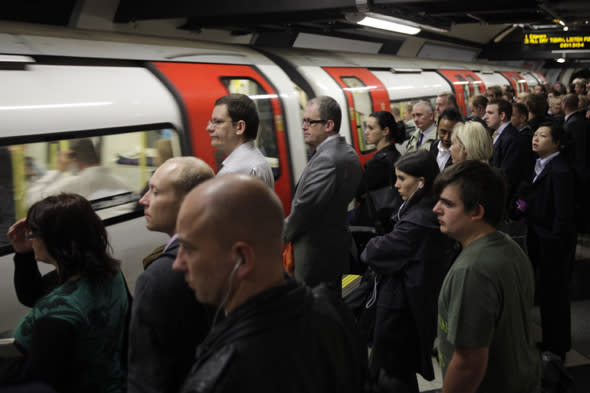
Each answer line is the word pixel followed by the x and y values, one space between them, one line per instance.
pixel 277 334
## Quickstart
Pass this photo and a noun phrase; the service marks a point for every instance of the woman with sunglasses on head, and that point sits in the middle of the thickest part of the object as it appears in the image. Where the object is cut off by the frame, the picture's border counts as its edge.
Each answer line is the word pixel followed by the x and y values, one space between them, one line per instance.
pixel 411 261
pixel 73 339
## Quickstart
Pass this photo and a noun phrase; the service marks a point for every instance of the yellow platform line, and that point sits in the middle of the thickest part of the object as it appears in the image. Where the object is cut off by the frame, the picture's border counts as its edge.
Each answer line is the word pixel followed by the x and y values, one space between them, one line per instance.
pixel 349 278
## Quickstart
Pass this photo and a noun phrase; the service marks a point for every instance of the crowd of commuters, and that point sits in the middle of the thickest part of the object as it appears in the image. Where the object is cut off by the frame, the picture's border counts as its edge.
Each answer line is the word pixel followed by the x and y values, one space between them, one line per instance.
pixel 215 310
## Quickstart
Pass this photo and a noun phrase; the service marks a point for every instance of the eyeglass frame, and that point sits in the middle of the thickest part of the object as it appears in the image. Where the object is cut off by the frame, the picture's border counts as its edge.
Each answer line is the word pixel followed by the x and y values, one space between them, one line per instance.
pixel 216 123
pixel 310 122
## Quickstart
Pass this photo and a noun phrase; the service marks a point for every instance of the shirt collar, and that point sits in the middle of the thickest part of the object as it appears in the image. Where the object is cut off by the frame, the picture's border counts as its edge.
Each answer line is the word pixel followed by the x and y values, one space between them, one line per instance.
pixel 326 140
pixel 172 239
pixel 237 152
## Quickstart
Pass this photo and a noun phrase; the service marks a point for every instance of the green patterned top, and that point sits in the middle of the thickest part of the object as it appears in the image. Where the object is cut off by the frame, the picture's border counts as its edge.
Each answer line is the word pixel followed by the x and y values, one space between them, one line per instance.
pixel 98 315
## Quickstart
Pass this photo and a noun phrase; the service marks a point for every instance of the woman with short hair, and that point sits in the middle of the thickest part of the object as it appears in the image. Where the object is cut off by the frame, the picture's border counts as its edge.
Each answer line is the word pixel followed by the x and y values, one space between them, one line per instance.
pixel 471 141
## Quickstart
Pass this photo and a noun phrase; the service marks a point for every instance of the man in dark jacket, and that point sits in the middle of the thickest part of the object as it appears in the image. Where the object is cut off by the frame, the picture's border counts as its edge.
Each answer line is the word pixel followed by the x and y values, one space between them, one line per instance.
pixel 510 155
pixel 167 323
pixel 577 153
pixel 278 335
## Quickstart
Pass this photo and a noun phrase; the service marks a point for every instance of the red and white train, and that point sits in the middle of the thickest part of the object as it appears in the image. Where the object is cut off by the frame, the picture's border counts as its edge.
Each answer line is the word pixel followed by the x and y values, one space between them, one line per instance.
pixel 127 93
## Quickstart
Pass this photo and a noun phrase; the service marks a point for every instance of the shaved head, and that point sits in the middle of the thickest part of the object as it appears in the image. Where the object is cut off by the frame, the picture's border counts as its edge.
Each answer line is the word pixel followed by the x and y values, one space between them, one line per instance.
pixel 234 225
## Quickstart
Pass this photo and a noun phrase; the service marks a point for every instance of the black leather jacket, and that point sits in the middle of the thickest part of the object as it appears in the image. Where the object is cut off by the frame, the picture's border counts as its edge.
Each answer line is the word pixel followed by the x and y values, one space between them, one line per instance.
pixel 286 339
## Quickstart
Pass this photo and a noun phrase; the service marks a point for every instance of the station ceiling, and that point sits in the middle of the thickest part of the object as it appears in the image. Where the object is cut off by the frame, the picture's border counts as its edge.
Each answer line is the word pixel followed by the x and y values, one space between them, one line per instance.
pixel 494 29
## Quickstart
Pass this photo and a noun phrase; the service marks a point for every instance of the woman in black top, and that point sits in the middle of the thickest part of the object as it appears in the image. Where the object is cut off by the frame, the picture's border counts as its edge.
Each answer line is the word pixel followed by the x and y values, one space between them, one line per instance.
pixel 383 132
pixel 410 262
pixel 74 338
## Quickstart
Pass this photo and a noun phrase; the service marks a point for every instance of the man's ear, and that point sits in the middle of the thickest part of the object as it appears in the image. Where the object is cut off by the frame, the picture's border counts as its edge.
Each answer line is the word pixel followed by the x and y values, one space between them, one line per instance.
pixel 240 127
pixel 477 213
pixel 329 125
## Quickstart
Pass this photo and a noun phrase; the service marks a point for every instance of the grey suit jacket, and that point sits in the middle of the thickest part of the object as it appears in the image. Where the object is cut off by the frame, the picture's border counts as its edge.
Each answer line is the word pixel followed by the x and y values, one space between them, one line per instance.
pixel 318 223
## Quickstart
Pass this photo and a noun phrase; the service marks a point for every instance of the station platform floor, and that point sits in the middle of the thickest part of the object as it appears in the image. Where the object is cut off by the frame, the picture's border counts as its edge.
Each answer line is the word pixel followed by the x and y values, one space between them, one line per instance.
pixel 578 359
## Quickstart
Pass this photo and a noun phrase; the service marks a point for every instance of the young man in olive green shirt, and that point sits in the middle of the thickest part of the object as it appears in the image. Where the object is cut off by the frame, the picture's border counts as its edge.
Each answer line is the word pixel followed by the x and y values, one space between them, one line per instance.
pixel 485 303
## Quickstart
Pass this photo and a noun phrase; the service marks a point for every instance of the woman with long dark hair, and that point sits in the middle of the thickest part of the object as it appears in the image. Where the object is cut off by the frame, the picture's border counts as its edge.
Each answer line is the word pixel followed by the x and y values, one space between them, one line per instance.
pixel 384 132
pixel 73 339
pixel 410 262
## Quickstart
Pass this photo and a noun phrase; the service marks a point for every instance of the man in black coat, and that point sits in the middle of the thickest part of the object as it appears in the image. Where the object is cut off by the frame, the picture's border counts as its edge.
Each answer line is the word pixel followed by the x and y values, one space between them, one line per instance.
pixel 167 322
pixel 511 155
pixel 278 335
pixel 577 153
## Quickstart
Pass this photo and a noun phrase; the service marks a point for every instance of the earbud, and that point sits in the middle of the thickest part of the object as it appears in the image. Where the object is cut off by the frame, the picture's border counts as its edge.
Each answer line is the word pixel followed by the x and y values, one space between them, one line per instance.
pixel 239 261
pixel 420 183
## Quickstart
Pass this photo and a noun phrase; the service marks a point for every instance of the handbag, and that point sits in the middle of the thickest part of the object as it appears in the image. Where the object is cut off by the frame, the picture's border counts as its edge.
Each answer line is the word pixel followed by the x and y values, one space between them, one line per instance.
pixel 362 302
pixel 382 198
pixel 382 203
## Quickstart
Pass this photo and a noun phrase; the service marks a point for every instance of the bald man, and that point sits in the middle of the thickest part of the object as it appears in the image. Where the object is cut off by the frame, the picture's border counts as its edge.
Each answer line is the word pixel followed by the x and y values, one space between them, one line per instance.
pixel 277 335
pixel 167 322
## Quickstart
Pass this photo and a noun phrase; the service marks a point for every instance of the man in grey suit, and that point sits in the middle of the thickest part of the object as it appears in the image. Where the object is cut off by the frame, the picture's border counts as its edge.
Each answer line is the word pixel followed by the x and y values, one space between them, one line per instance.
pixel 318 223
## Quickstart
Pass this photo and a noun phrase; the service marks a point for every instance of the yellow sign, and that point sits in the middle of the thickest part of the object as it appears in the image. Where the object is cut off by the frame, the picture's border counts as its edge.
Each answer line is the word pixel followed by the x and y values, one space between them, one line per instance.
pixel 556 40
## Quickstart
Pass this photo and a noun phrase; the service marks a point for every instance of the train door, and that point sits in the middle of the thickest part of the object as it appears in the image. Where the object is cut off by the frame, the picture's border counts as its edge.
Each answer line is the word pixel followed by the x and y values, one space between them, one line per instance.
pixel 517 81
pixel 199 85
pixel 465 84
pixel 364 94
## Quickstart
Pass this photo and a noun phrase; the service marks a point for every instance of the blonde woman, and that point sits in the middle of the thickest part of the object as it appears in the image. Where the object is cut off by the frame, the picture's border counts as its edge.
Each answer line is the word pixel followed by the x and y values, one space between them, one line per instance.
pixel 471 141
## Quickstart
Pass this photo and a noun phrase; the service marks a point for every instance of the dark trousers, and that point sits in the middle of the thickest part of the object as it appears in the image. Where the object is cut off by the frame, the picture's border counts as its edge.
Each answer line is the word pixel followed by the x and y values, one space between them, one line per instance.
pixel 395 352
pixel 553 262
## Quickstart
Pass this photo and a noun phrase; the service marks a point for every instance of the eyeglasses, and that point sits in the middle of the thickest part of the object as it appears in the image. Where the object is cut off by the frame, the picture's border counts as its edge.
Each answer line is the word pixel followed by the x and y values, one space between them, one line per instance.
pixel 30 235
pixel 217 123
pixel 309 122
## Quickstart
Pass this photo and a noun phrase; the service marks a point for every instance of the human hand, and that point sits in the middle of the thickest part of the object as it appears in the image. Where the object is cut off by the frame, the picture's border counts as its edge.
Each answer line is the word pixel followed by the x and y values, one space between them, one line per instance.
pixel 16 236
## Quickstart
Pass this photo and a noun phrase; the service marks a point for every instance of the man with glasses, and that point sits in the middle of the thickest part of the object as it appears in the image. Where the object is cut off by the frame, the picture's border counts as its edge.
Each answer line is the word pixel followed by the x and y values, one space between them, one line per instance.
pixel 318 223
pixel 233 129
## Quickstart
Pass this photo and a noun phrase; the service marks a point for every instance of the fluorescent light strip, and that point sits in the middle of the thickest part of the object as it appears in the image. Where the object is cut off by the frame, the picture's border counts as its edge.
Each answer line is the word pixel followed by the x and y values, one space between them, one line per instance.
pixel 384 23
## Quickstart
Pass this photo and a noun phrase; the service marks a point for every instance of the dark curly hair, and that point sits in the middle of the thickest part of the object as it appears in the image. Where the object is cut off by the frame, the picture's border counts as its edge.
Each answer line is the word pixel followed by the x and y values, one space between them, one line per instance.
pixel 74 236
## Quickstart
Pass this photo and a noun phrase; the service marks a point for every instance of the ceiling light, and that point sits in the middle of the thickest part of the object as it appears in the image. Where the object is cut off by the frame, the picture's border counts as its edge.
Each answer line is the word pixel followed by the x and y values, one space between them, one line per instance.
pixel 560 60
pixel 565 28
pixel 389 23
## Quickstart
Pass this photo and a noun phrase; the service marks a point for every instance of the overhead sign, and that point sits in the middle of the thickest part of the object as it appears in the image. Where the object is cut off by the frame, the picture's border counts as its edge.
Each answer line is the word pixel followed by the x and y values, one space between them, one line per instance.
pixel 556 40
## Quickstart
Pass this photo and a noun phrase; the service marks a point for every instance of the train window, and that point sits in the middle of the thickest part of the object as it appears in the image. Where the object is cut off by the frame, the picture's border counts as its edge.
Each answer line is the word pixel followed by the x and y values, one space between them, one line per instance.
pixel 363 107
pixel 402 110
pixel 266 140
pixel 477 85
pixel 109 170
pixel 466 91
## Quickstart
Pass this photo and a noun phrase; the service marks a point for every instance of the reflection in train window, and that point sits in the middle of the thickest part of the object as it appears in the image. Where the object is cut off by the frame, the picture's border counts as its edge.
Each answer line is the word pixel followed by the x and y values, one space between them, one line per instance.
pixel 363 106
pixel 109 170
pixel 402 110
pixel 266 140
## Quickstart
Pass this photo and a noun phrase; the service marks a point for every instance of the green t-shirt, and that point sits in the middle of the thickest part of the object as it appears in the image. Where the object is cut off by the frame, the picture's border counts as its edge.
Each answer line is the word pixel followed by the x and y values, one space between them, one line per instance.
pixel 98 315
pixel 486 301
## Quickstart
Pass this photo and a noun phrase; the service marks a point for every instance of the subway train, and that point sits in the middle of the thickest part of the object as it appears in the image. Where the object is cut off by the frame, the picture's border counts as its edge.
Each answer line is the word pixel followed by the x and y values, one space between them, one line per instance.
pixel 141 99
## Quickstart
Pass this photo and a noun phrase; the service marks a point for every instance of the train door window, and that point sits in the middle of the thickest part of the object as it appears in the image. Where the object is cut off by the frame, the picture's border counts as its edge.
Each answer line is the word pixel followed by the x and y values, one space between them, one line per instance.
pixel 477 85
pixel 466 91
pixel 109 170
pixel 363 107
pixel 520 84
pixel 402 110
pixel 266 139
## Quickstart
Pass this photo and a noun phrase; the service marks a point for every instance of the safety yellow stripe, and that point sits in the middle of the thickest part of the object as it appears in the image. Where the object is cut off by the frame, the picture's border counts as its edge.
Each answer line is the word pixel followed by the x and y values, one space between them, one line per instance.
pixel 348 279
